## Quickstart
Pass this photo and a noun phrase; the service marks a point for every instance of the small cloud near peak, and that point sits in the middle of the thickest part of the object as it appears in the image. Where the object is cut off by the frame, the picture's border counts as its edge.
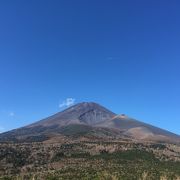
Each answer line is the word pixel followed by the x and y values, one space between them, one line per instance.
pixel 67 102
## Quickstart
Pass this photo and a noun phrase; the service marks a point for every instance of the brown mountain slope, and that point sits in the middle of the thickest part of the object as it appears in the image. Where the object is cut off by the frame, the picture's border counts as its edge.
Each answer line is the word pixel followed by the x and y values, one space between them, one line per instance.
pixel 138 129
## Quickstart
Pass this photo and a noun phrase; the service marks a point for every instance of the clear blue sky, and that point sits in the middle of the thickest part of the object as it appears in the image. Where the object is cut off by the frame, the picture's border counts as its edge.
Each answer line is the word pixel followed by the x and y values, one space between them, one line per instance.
pixel 124 55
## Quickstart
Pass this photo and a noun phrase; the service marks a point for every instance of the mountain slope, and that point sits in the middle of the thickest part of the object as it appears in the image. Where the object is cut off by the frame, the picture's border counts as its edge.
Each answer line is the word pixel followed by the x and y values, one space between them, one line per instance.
pixel 138 129
pixel 88 118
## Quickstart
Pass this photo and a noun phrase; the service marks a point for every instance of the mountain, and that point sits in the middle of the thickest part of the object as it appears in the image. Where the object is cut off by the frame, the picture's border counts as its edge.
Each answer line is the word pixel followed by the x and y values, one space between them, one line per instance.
pixel 89 119
pixel 82 113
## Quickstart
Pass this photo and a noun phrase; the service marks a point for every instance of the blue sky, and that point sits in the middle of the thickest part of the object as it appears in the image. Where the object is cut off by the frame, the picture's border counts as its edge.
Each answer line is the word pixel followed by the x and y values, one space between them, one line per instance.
pixel 122 54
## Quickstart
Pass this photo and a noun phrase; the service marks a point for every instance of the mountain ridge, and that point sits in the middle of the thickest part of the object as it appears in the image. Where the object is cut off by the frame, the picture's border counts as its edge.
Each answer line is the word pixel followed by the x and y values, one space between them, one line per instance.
pixel 95 116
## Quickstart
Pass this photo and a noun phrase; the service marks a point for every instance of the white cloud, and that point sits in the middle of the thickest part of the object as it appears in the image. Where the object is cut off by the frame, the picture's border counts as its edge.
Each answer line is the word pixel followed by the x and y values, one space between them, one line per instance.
pixel 11 114
pixel 66 103
pixel 1 129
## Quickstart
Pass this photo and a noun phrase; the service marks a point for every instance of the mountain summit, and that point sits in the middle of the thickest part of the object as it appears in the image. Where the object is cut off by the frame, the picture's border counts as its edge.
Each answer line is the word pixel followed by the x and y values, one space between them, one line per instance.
pixel 88 118
pixel 88 113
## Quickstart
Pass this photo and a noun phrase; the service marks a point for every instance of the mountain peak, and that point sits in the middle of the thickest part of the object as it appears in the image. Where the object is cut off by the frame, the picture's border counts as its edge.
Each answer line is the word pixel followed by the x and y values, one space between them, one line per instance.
pixel 82 113
pixel 88 104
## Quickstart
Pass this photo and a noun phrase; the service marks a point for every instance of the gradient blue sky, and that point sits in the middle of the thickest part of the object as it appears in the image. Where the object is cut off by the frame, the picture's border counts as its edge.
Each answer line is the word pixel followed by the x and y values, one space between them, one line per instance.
pixel 124 55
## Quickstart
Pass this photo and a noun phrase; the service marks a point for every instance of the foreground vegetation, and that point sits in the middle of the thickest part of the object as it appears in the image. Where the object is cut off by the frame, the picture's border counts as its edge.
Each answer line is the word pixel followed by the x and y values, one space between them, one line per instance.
pixel 90 160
